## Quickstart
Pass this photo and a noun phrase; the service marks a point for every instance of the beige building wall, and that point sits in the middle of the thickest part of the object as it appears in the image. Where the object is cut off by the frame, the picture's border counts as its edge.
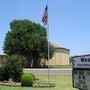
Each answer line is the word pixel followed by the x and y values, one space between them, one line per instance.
pixel 64 59
pixel 61 57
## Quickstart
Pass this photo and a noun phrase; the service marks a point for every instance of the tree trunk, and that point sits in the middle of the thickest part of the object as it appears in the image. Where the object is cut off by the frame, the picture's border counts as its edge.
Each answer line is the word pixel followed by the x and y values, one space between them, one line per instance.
pixel 36 60
pixel 36 63
pixel 29 62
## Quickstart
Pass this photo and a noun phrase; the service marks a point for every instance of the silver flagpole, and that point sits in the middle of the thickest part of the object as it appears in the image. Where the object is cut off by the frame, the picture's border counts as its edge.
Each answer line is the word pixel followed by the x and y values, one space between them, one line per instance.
pixel 48 50
pixel 45 22
pixel 48 47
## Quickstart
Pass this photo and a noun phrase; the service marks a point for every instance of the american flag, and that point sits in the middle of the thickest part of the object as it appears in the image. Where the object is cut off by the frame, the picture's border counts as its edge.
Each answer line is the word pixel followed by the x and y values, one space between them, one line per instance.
pixel 45 16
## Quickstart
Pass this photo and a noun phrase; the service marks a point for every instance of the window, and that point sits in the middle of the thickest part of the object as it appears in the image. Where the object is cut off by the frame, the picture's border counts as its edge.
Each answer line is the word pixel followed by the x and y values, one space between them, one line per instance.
pixel 82 59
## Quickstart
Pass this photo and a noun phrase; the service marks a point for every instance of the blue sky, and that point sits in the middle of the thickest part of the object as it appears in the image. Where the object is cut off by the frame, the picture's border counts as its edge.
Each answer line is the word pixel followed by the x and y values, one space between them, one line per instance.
pixel 69 21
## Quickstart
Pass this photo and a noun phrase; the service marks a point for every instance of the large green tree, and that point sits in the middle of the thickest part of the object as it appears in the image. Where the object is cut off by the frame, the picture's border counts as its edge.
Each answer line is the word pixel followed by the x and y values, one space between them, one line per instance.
pixel 28 39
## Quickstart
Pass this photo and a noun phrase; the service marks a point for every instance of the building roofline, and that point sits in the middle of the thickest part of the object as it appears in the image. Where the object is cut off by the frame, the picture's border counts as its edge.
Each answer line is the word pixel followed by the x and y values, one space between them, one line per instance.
pixel 81 55
pixel 62 48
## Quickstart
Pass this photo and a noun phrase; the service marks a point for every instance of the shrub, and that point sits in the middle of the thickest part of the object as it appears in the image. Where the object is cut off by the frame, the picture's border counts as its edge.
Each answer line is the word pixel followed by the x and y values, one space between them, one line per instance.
pixel 14 66
pixel 4 74
pixel 32 75
pixel 1 74
pixel 27 80
pixel 18 77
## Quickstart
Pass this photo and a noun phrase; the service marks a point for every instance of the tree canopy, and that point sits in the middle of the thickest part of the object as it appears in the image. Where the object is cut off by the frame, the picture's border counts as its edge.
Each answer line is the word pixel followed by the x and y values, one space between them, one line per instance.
pixel 29 39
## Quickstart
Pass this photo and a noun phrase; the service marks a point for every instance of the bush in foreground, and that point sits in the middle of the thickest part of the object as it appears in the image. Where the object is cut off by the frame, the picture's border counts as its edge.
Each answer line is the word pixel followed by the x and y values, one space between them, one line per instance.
pixel 4 73
pixel 12 68
pixel 32 75
pixel 14 65
pixel 27 80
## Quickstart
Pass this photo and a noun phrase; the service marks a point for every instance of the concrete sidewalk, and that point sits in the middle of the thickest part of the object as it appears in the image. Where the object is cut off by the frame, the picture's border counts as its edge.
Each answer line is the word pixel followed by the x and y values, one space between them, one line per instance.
pixel 64 71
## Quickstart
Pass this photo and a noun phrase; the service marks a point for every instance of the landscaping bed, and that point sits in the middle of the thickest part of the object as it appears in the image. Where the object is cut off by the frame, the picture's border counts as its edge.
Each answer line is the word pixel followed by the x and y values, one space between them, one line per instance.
pixel 36 84
pixel 15 84
pixel 62 83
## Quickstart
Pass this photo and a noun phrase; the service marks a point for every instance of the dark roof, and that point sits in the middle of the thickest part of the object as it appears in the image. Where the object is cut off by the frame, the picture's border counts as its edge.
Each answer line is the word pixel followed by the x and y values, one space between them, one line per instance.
pixel 81 55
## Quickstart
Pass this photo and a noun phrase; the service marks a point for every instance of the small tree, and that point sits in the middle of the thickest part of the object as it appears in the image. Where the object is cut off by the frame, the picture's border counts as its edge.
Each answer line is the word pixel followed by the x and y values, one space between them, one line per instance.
pixel 14 66
pixel 4 73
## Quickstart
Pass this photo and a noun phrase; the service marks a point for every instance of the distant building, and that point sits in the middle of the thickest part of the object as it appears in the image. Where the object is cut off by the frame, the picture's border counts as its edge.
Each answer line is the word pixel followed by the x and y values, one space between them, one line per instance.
pixel 61 56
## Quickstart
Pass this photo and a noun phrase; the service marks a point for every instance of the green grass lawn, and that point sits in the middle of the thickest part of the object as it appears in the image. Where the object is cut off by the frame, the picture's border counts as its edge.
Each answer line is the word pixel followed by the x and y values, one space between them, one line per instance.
pixel 61 66
pixel 62 83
